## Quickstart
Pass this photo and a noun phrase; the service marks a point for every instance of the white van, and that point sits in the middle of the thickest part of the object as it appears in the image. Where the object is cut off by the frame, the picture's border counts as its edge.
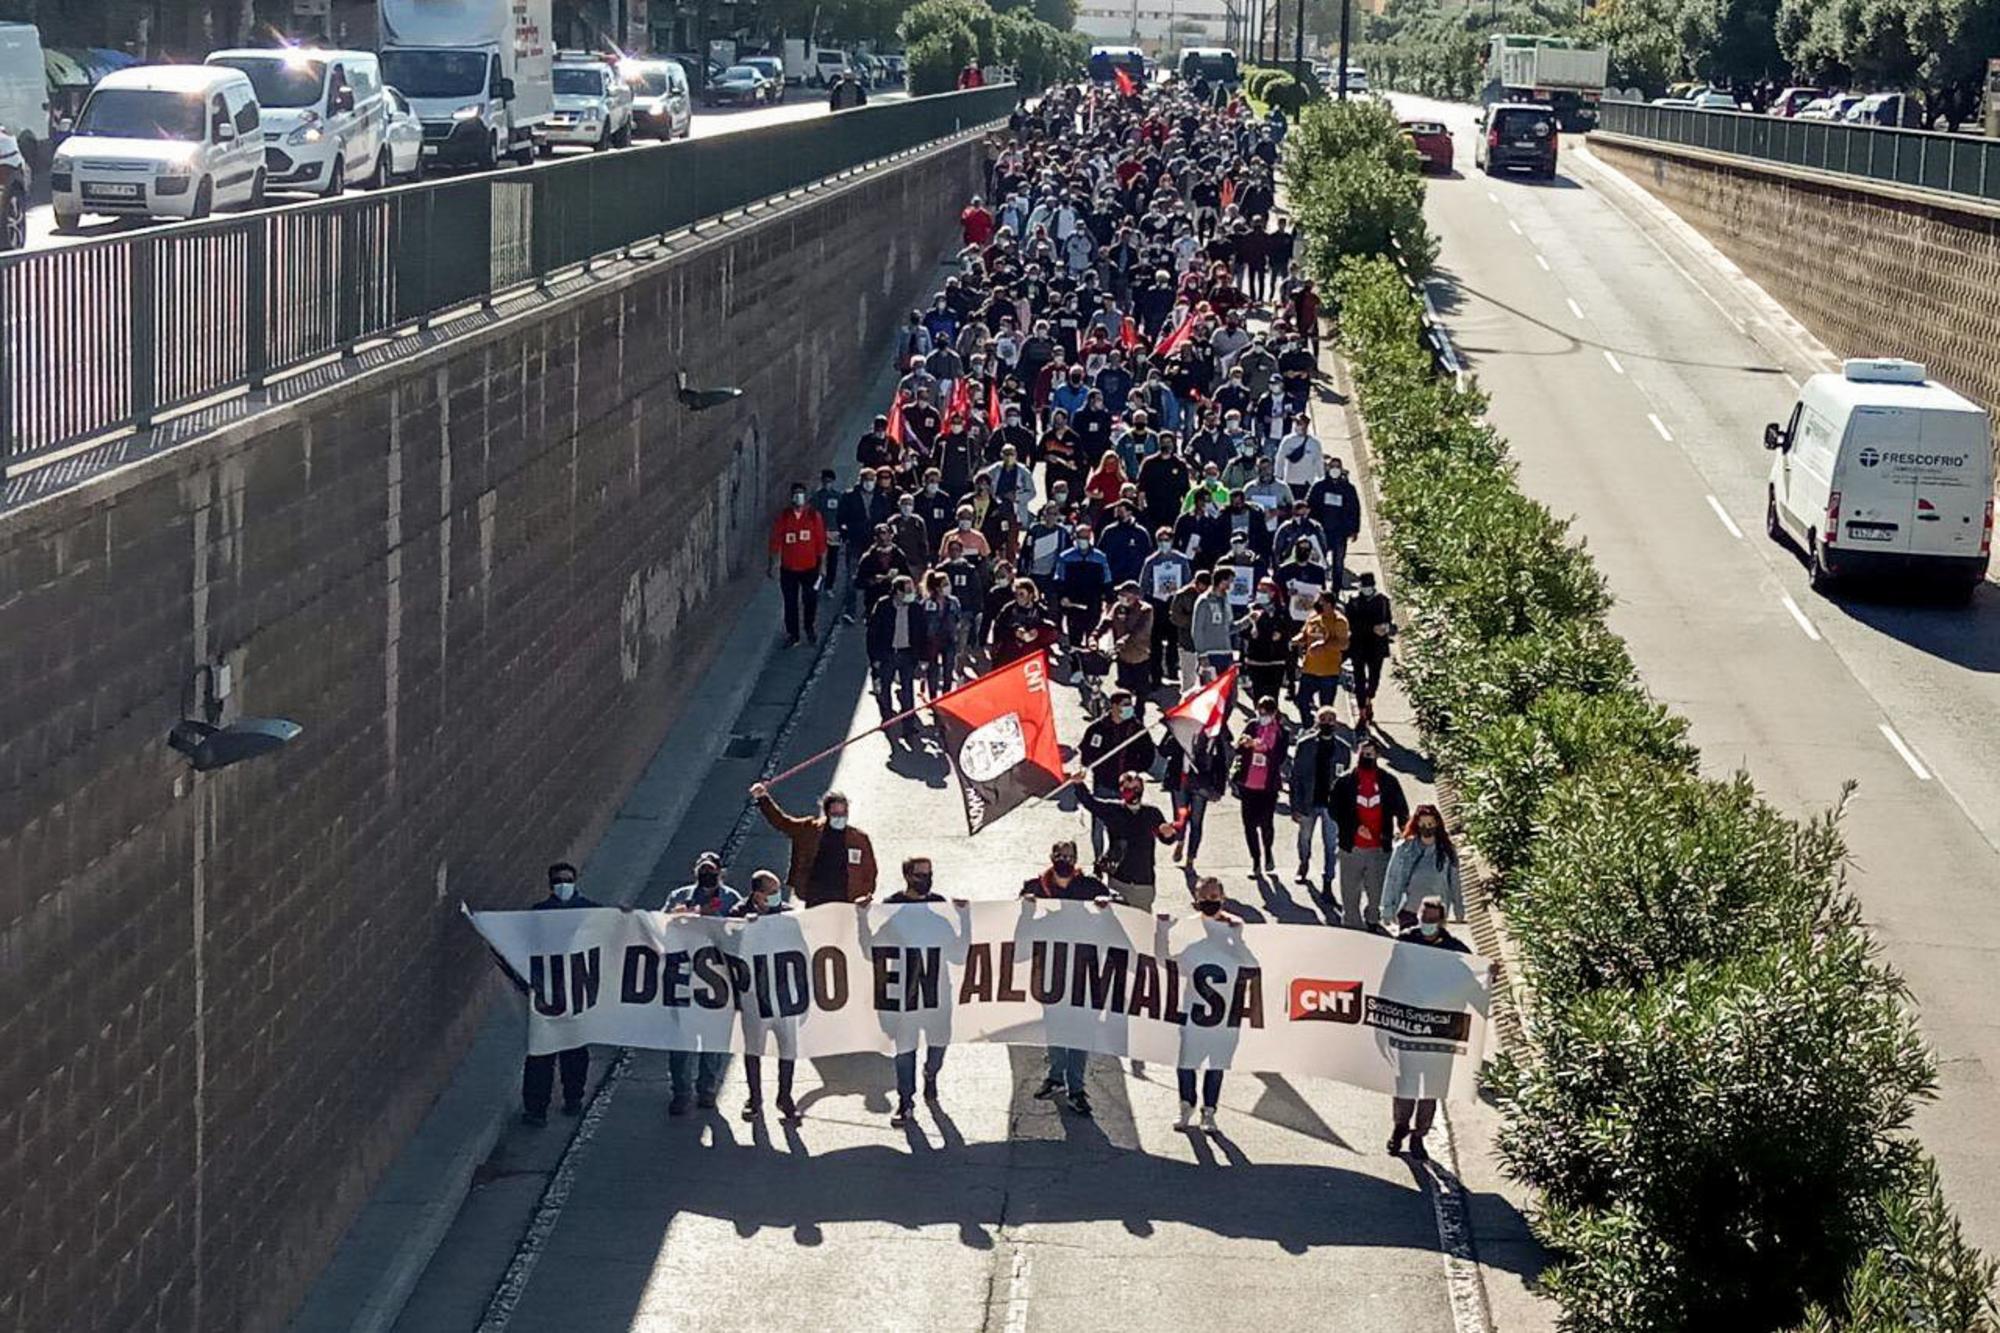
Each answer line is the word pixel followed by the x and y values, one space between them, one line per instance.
pixel 326 118
pixel 164 141
pixel 829 63
pixel 24 90
pixel 1882 471
pixel 593 106
pixel 662 105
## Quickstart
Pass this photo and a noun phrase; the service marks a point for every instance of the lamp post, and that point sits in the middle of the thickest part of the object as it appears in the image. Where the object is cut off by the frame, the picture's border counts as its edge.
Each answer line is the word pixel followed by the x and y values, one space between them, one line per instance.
pixel 1346 6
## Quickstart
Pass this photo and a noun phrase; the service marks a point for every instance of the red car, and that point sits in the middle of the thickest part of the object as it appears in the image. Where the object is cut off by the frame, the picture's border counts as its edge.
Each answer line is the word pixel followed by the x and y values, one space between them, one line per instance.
pixel 1432 142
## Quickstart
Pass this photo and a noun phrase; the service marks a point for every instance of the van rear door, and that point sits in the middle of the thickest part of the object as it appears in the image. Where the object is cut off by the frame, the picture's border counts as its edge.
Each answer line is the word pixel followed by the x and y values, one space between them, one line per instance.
pixel 1949 482
pixel 1877 497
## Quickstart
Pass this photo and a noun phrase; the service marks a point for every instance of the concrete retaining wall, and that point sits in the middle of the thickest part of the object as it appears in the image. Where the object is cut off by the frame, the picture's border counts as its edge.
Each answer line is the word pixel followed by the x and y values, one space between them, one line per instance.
pixel 479 577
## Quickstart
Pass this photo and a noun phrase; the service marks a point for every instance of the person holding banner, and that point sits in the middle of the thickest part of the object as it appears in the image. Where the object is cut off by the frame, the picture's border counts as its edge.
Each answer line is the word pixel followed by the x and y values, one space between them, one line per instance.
pixel 1423 868
pixel 1210 903
pixel 1368 805
pixel 1065 881
pixel 1413 1115
pixel 1317 762
pixel 538 1072
pixel 918 877
pixel 764 900
pixel 698 1074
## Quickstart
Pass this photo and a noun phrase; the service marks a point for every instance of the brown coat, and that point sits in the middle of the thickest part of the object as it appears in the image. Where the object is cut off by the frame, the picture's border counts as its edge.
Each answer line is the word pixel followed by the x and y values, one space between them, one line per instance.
pixel 804 833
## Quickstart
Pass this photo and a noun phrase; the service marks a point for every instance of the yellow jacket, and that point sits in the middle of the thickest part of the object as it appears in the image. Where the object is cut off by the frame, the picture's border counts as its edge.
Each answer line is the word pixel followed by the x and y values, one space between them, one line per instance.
pixel 1324 639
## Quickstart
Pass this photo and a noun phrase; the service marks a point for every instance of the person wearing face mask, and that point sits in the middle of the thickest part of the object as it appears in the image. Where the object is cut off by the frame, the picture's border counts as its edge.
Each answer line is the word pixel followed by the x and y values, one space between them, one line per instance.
pixel 1423 868
pixel 918 887
pixel 878 569
pixel 1335 502
pixel 1162 577
pixel 1266 638
pixel 944 617
pixel 698 1074
pixel 1082 587
pixel 863 510
pixel 832 862
pixel 538 1072
pixel 898 628
pixel 1321 644
pixel 1300 460
pixel 766 898
pixel 1196 781
pixel 1164 481
pixel 1258 776
pixel 1371 622
pixel 1413 1116
pixel 1111 745
pixel 907 530
pixel 828 500
pixel 1012 482
pixel 1021 626
pixel 1317 762
pixel 1210 904
pixel 1368 807
pixel 937 509
pixel 1133 829
pixel 1129 622
pixel 1066 881
pixel 798 554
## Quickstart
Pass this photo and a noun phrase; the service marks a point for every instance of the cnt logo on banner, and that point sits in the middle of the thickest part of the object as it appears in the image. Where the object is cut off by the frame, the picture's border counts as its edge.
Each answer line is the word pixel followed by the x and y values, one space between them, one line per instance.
pixel 1302 1001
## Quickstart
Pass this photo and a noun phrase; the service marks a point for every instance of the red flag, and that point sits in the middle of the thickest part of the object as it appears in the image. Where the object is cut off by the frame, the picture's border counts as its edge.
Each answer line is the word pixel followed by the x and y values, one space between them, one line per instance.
pixel 959 409
pixel 1203 712
pixel 1228 192
pixel 896 431
pixel 1128 333
pixel 1127 85
pixel 1174 341
pixel 992 406
pixel 999 733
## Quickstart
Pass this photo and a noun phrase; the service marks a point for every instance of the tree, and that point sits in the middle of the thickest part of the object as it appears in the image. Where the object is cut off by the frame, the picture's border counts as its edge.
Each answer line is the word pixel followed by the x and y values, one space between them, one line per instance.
pixel 1641 36
pixel 1058 14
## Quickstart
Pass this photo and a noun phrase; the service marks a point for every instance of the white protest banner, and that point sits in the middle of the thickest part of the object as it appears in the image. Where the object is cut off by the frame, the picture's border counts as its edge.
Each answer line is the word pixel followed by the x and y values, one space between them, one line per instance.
pixel 1305 1001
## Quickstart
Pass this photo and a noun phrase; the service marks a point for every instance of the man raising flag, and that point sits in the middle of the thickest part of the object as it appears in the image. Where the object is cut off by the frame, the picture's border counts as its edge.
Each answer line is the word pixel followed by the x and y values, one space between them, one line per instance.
pixel 1000 734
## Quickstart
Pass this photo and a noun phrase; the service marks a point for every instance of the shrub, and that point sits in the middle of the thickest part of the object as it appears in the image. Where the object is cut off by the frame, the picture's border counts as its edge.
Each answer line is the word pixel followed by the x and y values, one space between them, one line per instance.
pixel 1353 182
pixel 935 59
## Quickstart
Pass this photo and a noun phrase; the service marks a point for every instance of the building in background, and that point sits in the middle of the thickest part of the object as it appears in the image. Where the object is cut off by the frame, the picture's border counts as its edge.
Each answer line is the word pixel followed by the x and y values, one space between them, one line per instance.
pixel 1158 27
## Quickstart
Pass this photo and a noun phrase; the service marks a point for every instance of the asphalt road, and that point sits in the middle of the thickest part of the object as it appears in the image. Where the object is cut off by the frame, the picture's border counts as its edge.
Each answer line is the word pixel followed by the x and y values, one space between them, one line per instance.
pixel 1633 371
pixel 799 104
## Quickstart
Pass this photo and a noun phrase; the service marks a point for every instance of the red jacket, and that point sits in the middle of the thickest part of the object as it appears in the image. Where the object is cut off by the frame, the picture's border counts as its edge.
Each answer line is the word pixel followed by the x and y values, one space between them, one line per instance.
pixel 977 224
pixel 971 77
pixel 798 539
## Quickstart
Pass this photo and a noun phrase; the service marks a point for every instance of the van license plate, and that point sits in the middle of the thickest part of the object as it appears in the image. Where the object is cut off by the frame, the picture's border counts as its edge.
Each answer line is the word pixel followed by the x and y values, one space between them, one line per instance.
pixel 1870 534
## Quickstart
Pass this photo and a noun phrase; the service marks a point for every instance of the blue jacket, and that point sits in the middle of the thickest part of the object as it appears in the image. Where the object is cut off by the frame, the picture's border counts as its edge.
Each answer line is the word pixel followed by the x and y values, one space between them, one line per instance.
pixel 1083 575
pixel 1125 547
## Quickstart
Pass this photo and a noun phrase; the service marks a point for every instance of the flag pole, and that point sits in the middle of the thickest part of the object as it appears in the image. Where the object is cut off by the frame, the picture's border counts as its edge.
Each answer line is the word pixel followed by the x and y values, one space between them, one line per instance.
pixel 888 722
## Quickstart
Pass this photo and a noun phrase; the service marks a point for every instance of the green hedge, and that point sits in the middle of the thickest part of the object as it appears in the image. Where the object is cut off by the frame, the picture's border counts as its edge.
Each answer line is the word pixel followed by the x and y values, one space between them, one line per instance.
pixel 1266 86
pixel 1714 1096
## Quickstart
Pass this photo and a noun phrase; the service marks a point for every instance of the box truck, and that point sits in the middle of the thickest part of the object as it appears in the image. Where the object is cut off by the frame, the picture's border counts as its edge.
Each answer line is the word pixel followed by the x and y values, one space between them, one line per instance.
pixel 1554 71
pixel 476 72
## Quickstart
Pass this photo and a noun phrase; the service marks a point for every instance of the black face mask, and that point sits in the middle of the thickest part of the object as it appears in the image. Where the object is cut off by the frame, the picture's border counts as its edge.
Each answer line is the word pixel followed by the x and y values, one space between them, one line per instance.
pixel 1208 907
pixel 1366 761
pixel 1063 868
pixel 708 879
pixel 1326 728
pixel 920 883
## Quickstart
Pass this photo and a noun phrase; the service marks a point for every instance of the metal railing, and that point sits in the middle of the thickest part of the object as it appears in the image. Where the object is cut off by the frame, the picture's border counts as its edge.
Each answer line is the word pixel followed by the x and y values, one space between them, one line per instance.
pixel 109 333
pixel 1949 163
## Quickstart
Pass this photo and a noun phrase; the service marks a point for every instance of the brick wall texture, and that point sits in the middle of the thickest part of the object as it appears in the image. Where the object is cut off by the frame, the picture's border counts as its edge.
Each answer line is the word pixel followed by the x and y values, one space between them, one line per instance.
pixel 1869 274
pixel 478 577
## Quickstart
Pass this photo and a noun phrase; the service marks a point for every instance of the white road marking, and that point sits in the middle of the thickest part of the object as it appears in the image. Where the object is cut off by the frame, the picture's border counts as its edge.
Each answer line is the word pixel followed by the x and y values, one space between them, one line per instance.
pixel 1574 308
pixel 1727 521
pixel 1612 361
pixel 1902 748
pixel 1017 1293
pixel 1660 426
pixel 1543 262
pixel 1515 226
pixel 1492 197
pixel 1811 631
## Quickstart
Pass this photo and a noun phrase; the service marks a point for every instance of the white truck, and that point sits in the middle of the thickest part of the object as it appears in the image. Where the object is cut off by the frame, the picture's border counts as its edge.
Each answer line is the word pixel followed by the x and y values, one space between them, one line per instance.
pixel 1565 77
pixel 798 61
pixel 478 73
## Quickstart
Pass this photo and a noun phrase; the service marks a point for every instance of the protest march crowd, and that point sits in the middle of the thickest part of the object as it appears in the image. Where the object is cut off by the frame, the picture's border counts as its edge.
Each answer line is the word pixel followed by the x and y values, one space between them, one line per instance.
pixel 1099 463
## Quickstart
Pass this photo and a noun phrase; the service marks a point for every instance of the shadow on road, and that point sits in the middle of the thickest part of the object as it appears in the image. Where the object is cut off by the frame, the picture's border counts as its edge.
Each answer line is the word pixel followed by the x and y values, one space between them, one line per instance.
pixel 1964 634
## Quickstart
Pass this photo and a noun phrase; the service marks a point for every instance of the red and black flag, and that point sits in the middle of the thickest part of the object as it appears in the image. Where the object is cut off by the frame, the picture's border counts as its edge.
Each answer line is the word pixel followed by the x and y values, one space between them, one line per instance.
pixel 1000 734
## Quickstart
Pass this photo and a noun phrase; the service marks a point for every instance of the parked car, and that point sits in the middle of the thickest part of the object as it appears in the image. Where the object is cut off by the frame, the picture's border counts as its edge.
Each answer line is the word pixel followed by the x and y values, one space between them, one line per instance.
pixel 323 113
pixel 16 185
pixel 897 66
pixel 1891 110
pixel 740 85
pixel 593 105
pixel 1712 100
pixel 828 64
pixel 404 137
pixel 1794 100
pixel 662 105
pixel 772 68
pixel 1432 142
pixel 1834 106
pixel 24 92
pixel 1517 134
pixel 173 141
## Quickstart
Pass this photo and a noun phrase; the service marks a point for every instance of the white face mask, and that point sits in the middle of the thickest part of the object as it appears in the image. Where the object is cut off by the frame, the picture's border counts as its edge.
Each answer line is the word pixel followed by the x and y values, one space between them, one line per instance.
pixel 965 525
pixel 836 822
pixel 1430 928
pixel 565 889
pixel 868 484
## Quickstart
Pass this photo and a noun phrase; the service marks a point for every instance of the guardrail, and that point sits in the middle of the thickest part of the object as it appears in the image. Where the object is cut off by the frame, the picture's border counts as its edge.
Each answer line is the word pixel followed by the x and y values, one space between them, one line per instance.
pixel 110 333
pixel 1949 163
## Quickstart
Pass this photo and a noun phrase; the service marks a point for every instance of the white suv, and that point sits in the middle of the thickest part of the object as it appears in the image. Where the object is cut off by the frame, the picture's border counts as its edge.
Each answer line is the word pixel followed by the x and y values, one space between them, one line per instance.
pixel 174 141
pixel 593 105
